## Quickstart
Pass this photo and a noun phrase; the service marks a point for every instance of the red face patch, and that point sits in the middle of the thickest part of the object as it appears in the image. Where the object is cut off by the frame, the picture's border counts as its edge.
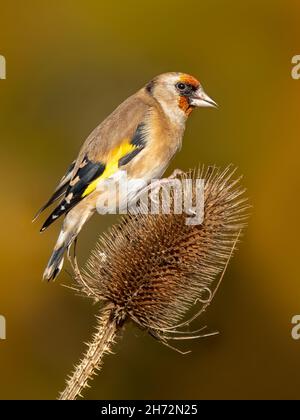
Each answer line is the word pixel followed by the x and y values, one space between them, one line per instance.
pixel 183 101
pixel 184 105
pixel 190 80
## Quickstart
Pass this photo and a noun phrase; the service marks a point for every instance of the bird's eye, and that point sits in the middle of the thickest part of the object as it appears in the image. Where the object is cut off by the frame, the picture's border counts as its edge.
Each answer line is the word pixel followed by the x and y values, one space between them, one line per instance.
pixel 184 89
pixel 181 86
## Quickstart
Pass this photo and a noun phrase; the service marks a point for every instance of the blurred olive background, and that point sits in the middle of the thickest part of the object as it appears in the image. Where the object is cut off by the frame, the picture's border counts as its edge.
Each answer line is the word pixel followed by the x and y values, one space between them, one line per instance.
pixel 69 64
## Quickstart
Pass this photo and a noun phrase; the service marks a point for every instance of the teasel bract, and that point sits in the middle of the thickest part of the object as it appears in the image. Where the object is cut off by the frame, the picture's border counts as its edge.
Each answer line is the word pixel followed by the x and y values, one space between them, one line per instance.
pixel 152 269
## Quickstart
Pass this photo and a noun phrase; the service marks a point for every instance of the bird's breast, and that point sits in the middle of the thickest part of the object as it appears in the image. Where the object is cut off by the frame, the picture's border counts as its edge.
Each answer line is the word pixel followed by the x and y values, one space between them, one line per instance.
pixel 163 140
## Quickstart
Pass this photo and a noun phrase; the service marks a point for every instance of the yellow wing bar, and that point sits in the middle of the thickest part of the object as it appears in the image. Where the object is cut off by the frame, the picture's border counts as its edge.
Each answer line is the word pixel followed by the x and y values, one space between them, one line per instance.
pixel 112 164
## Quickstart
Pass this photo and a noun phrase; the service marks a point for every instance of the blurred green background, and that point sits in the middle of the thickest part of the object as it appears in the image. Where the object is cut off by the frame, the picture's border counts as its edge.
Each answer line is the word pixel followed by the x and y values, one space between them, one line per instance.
pixel 69 64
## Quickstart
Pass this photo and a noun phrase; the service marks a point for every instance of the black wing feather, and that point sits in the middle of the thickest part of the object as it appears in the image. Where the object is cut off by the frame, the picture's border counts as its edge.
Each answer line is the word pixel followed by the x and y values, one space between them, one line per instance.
pixel 139 141
pixel 83 177
pixel 60 190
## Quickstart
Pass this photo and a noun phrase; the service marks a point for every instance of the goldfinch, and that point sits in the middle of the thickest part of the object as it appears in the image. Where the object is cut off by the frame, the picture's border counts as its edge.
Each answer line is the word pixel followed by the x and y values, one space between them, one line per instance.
pixel 140 137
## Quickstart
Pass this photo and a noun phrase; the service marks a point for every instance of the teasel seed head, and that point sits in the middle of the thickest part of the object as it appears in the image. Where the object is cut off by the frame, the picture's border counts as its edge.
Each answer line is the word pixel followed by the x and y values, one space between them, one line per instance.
pixel 153 268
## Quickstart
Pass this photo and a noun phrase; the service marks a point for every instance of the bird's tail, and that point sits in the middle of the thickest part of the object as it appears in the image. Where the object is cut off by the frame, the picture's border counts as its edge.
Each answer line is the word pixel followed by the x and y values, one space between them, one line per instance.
pixel 72 225
pixel 55 263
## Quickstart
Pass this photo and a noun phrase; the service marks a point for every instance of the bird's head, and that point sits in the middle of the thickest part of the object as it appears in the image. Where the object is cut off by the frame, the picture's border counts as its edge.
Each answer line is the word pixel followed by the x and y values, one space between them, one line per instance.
pixel 178 94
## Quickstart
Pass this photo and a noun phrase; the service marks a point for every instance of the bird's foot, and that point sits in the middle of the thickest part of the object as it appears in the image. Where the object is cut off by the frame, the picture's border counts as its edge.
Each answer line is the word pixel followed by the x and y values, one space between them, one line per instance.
pixel 176 173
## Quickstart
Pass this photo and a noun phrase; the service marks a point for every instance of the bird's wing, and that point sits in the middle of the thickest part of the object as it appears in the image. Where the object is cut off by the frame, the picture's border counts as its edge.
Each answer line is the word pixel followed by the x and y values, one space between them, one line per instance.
pixel 60 189
pixel 112 145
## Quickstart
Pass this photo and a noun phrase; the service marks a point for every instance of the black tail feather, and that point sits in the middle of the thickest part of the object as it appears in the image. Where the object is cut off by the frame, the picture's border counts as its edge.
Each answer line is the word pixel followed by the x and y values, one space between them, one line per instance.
pixel 55 264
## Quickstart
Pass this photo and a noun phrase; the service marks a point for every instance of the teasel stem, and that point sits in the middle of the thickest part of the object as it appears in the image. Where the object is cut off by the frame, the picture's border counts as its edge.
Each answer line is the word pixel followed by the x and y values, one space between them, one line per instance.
pixel 106 331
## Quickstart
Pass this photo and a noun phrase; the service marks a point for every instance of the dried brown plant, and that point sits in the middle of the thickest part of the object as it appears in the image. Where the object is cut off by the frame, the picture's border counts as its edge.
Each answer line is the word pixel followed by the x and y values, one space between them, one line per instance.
pixel 153 269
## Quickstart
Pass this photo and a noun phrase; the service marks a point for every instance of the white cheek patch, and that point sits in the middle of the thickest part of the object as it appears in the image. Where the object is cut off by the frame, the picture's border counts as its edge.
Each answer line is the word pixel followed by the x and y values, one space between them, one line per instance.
pixel 170 104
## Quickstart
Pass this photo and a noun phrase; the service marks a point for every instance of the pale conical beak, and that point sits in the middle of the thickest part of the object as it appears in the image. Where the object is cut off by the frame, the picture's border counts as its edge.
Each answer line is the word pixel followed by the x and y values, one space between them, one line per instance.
pixel 200 99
